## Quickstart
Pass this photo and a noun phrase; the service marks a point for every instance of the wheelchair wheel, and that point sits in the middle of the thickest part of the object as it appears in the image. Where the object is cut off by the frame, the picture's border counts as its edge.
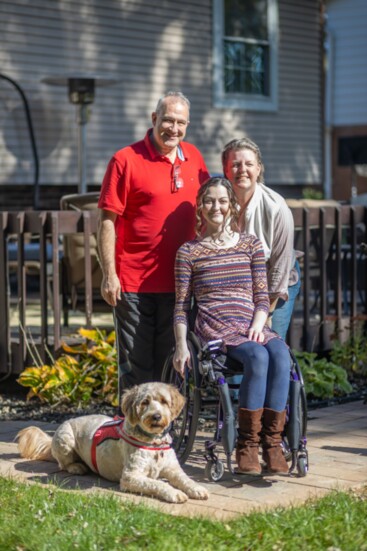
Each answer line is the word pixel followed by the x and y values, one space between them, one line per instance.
pixel 302 465
pixel 295 439
pixel 185 426
pixel 302 398
pixel 214 470
pixel 303 408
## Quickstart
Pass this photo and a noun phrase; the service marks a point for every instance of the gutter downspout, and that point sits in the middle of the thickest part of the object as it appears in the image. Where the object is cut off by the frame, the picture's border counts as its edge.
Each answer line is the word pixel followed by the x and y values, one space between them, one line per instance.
pixel 328 101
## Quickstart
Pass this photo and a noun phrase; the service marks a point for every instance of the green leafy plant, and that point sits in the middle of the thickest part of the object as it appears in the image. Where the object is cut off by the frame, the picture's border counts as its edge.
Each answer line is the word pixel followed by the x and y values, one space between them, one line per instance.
pixel 352 355
pixel 82 373
pixel 312 193
pixel 323 379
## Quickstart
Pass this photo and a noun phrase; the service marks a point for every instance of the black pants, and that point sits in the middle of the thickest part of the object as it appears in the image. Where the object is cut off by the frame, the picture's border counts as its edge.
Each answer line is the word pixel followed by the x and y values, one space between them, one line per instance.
pixel 144 336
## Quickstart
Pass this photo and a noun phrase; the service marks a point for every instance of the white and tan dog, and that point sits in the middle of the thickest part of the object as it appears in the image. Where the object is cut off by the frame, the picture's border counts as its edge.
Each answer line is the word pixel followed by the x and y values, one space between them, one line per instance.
pixel 136 452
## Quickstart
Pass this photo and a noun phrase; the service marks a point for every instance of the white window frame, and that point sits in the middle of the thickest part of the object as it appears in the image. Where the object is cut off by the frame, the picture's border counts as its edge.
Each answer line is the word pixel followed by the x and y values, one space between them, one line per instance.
pixel 250 102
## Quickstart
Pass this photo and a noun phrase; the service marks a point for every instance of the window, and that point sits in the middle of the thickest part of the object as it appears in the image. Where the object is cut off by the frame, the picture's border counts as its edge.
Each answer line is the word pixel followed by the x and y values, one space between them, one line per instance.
pixel 245 54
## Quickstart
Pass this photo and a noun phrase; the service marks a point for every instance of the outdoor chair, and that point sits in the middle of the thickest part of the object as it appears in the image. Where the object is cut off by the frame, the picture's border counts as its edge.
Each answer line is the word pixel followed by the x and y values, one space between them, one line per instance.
pixel 73 261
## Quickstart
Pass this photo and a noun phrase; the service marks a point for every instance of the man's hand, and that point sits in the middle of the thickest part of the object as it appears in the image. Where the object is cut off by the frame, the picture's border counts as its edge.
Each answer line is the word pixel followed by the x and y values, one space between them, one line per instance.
pixel 111 289
pixel 110 286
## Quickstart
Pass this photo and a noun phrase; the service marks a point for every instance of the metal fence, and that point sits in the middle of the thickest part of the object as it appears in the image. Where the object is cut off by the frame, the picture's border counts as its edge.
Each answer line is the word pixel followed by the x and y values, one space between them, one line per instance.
pixel 37 266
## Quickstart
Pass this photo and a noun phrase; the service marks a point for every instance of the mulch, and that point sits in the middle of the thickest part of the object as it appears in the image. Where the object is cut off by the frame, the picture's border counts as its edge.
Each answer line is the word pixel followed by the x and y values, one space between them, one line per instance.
pixel 14 406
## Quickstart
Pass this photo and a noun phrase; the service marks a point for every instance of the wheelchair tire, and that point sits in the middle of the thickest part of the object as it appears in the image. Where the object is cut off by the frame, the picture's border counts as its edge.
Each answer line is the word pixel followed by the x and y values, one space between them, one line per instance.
pixel 298 455
pixel 303 398
pixel 303 407
pixel 214 470
pixel 184 427
pixel 302 465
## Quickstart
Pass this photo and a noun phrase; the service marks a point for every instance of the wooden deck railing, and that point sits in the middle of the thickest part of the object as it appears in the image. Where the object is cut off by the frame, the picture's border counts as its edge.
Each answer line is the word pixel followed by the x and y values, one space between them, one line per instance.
pixel 334 274
pixel 48 230
pixel 333 295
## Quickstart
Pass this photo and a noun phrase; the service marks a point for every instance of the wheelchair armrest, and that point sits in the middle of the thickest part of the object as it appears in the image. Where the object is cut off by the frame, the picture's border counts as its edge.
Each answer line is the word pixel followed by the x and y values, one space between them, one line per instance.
pixel 210 348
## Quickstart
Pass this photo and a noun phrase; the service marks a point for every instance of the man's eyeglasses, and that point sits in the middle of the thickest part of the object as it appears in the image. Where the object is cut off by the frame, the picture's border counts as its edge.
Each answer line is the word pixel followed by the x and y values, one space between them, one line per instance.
pixel 177 178
pixel 170 123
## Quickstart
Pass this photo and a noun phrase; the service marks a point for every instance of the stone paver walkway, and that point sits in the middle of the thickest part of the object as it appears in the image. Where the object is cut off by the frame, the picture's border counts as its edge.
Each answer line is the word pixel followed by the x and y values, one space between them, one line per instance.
pixel 337 446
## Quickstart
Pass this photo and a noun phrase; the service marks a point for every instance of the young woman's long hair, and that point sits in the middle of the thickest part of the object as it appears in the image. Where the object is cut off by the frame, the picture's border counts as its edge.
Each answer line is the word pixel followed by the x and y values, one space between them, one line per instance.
pixel 232 216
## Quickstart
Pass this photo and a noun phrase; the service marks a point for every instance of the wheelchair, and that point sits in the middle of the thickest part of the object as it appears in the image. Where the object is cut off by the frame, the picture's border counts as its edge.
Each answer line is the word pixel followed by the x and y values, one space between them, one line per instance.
pixel 212 385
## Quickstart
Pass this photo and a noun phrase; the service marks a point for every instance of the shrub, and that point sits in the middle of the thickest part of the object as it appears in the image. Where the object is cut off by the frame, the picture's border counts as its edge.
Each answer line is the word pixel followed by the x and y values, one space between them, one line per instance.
pixel 323 379
pixel 352 355
pixel 82 373
pixel 312 193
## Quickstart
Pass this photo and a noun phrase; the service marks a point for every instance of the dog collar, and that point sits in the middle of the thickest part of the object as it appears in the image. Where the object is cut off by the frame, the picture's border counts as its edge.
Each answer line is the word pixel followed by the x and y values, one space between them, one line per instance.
pixel 144 445
pixel 152 435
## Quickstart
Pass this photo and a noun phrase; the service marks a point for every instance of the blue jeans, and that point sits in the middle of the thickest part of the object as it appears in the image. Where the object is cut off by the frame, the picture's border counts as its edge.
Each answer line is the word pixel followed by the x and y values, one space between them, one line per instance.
pixel 266 373
pixel 284 309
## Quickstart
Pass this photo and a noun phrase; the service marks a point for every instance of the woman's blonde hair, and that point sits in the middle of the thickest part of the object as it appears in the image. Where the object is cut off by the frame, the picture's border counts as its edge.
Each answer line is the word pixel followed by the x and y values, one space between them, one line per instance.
pixel 238 145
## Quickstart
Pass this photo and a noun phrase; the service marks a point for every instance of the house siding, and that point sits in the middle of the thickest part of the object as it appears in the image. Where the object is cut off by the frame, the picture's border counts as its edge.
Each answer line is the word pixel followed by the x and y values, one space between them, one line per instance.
pixel 347 27
pixel 291 138
pixel 347 85
pixel 148 47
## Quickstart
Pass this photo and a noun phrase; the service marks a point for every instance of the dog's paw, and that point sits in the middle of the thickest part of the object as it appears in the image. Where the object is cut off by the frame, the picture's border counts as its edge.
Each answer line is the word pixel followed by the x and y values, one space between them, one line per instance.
pixel 175 496
pixel 198 492
pixel 77 468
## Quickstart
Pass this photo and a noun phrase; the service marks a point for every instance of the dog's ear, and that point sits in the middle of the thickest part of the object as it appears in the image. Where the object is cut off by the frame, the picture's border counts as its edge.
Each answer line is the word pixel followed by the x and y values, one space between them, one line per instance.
pixel 178 401
pixel 128 404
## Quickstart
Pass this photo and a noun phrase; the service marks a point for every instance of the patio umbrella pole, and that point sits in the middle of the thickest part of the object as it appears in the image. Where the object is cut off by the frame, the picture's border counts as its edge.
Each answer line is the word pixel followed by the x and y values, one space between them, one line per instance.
pixel 82 119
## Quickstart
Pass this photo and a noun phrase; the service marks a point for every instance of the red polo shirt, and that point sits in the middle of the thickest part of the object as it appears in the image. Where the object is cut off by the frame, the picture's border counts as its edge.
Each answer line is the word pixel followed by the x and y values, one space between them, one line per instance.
pixel 155 217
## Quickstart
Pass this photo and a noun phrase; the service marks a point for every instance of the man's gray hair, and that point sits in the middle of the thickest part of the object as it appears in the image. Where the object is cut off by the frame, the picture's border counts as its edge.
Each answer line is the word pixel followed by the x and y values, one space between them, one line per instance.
pixel 172 94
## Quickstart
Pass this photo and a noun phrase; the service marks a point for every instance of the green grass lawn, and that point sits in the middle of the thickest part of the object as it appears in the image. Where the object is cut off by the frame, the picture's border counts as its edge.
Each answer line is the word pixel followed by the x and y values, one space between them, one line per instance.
pixel 38 518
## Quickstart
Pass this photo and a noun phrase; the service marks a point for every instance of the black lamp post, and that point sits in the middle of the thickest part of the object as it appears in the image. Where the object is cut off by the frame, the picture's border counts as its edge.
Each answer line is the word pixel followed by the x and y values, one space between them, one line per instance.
pixel 81 90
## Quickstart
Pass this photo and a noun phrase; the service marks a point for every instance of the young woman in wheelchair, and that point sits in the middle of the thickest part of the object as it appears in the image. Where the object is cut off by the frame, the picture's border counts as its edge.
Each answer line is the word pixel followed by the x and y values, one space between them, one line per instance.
pixel 224 270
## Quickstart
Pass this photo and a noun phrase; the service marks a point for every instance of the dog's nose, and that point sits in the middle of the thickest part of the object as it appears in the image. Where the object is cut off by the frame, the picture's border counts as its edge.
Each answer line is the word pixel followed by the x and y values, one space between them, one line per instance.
pixel 157 417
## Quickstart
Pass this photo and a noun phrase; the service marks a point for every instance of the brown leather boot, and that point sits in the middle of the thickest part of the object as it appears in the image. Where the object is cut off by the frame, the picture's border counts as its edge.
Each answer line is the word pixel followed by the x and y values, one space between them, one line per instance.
pixel 273 426
pixel 247 451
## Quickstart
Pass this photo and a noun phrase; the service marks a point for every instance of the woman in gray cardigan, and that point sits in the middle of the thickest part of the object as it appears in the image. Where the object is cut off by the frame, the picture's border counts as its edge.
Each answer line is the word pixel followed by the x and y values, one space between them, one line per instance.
pixel 264 213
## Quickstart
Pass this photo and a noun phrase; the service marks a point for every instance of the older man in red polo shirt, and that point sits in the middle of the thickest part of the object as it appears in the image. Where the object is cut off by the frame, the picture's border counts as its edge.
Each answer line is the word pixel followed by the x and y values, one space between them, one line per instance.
pixel 147 207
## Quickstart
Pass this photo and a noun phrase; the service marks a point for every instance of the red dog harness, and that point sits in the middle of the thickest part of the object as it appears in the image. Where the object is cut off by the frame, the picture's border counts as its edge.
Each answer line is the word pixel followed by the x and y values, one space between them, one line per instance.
pixel 114 430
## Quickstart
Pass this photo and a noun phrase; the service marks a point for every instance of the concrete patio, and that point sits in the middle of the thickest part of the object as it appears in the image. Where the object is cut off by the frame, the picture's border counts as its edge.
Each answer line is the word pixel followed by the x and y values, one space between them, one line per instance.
pixel 337 446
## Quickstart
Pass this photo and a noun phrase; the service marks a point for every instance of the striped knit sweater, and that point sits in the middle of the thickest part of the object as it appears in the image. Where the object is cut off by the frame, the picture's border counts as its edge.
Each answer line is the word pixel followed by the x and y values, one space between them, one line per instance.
pixel 229 286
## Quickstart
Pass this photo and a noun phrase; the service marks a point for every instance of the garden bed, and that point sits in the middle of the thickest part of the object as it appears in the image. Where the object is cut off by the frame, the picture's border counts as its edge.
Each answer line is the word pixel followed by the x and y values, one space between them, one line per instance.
pixel 14 406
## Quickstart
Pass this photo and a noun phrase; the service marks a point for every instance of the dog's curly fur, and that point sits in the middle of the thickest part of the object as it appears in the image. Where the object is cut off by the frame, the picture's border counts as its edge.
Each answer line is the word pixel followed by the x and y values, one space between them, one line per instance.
pixel 149 409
